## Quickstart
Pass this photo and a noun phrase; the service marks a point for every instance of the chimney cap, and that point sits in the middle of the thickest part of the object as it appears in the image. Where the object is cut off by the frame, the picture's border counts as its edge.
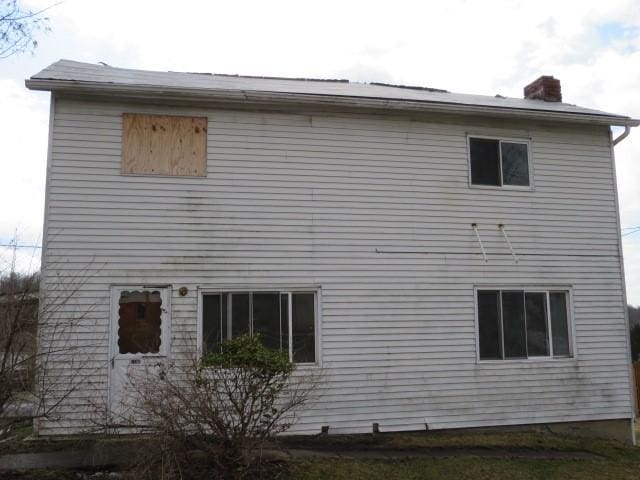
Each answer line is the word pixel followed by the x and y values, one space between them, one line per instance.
pixel 545 87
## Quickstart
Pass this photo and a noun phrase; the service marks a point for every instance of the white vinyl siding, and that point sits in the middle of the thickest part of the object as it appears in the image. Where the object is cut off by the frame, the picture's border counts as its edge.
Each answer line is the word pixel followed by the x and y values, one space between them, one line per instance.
pixel 377 212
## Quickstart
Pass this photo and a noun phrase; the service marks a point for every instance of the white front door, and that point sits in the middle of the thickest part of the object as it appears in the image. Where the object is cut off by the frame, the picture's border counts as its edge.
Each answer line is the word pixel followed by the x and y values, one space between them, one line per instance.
pixel 140 343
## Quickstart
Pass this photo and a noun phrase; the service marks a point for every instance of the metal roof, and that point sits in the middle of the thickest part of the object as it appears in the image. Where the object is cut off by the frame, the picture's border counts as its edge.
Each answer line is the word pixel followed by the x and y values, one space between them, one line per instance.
pixel 67 75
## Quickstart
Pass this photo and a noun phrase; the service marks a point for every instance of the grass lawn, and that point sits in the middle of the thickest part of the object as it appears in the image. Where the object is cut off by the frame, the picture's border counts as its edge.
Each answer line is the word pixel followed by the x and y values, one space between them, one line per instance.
pixel 460 456
pixel 609 460
pixel 468 468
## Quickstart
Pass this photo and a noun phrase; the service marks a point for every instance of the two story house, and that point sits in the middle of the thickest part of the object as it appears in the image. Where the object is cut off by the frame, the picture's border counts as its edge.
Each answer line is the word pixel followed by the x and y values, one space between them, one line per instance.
pixel 445 260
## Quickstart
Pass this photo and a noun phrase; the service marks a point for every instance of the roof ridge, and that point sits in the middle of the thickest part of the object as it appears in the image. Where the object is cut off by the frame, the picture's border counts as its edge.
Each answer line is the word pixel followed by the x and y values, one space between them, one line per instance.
pixel 410 87
pixel 276 77
pixel 267 77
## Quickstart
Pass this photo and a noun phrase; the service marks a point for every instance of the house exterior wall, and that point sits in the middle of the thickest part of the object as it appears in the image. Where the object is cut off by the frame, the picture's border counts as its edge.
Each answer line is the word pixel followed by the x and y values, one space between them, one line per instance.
pixel 374 211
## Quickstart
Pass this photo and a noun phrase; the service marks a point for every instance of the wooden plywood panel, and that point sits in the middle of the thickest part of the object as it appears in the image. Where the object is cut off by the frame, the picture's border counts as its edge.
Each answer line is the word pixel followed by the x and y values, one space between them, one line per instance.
pixel 164 145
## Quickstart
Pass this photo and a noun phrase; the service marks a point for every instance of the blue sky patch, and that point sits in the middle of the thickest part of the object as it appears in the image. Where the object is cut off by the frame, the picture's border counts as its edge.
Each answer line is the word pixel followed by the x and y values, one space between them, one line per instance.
pixel 611 32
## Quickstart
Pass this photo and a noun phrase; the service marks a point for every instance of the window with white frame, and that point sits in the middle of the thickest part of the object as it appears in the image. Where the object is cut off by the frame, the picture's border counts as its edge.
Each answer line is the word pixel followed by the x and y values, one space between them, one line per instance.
pixel 284 320
pixel 499 163
pixel 516 324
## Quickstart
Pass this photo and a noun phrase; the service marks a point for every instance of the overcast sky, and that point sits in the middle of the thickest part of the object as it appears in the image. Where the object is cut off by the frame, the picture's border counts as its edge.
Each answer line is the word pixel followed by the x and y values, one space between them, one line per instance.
pixel 484 47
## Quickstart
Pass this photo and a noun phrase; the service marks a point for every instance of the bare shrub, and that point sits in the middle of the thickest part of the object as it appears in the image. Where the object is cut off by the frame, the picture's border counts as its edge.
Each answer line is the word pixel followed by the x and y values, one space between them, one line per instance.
pixel 217 415
pixel 18 330
pixel 35 327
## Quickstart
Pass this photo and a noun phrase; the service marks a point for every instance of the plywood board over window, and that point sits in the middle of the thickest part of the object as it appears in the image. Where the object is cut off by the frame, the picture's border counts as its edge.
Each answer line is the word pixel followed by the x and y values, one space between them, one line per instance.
pixel 164 145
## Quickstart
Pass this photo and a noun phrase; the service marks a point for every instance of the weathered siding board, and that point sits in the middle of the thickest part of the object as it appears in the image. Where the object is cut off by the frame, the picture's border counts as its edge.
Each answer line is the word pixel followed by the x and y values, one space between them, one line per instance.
pixel 294 199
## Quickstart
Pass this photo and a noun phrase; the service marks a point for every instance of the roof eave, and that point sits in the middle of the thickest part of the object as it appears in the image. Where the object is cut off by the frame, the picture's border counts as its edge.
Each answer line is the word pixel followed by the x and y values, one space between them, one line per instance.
pixel 268 97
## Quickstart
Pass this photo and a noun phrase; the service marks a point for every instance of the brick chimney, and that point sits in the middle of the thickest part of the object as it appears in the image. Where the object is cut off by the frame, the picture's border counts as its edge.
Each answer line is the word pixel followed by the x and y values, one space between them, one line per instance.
pixel 544 88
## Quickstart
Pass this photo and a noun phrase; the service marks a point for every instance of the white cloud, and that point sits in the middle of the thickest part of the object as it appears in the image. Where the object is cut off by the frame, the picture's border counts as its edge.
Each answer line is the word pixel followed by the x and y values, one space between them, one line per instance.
pixel 484 47
pixel 24 151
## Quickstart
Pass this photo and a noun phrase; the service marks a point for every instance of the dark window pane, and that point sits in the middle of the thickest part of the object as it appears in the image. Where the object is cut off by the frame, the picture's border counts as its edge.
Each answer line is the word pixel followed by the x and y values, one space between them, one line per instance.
pixel 515 165
pixel 559 323
pixel 139 322
pixel 515 338
pixel 537 337
pixel 225 316
pixel 284 321
pixel 489 324
pixel 239 314
pixel 211 323
pixel 485 161
pixel 303 315
pixel 266 318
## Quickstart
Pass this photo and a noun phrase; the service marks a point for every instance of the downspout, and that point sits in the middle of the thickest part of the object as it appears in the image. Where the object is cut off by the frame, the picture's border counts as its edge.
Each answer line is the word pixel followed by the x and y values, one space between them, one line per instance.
pixel 623 135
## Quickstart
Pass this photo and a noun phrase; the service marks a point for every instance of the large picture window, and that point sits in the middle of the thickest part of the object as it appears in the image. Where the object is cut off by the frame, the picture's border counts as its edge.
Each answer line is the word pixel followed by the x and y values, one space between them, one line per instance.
pixel 284 320
pixel 516 324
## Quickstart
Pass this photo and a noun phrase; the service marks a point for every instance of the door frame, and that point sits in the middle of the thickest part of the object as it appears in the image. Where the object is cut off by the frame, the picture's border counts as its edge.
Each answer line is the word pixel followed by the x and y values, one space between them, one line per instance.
pixel 165 325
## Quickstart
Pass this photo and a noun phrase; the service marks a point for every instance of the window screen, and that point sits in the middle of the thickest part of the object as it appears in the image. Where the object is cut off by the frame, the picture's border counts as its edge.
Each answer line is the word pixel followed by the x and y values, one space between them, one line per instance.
pixel 266 318
pixel 240 309
pixel 515 164
pixel 559 323
pixel 489 325
pixel 214 321
pixel 284 321
pixel 536 316
pixel 515 337
pixel 303 308
pixel 211 322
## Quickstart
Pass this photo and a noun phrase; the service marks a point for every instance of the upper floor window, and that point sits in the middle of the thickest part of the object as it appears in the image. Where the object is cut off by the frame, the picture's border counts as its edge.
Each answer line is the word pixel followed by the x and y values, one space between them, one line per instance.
pixel 499 162
pixel 285 320
pixel 516 324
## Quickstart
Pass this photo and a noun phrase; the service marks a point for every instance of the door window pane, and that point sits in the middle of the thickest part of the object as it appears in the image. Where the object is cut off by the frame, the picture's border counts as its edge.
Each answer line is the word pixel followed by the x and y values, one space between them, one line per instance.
pixel 485 161
pixel 559 323
pixel 489 325
pixel 303 314
pixel 139 322
pixel 515 165
pixel 266 318
pixel 536 313
pixel 240 314
pixel 515 338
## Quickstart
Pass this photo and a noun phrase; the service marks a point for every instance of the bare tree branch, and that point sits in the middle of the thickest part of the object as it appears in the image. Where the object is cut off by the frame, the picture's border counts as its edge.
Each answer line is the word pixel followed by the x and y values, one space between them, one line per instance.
pixel 38 347
pixel 18 27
